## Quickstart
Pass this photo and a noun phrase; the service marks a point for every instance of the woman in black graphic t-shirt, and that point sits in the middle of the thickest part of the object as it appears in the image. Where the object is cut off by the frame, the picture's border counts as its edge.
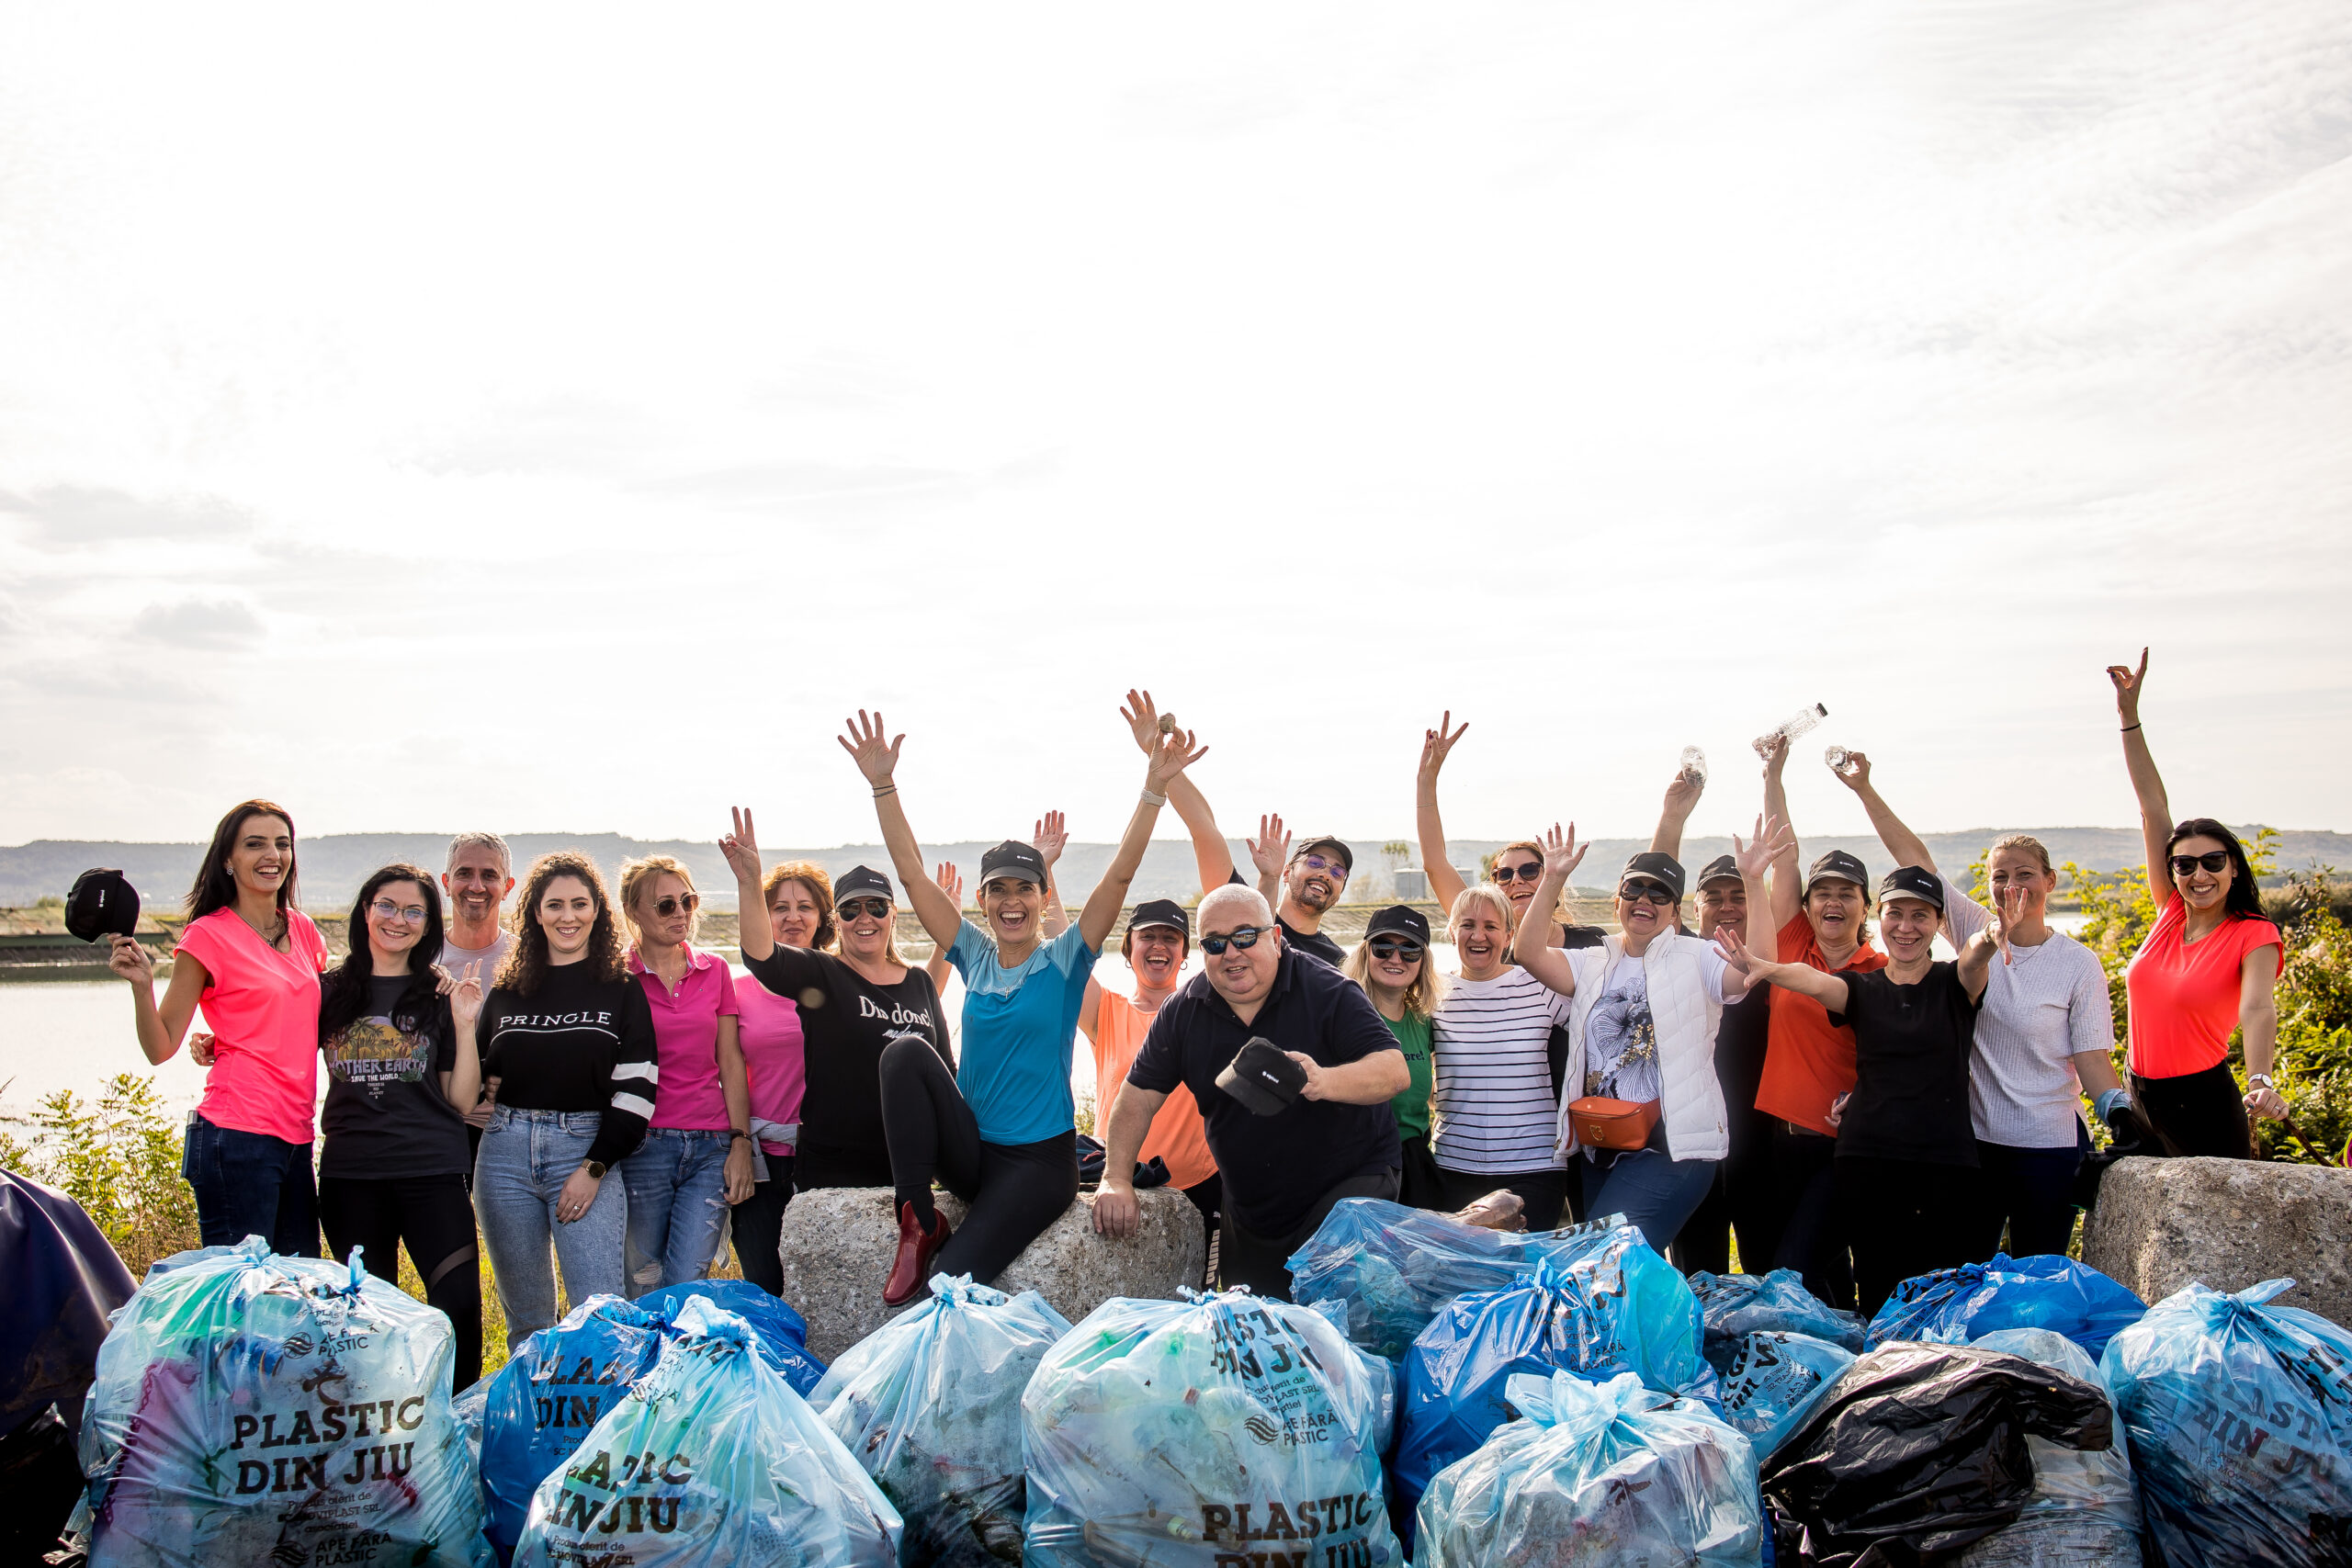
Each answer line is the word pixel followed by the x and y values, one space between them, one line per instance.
pixel 402 1063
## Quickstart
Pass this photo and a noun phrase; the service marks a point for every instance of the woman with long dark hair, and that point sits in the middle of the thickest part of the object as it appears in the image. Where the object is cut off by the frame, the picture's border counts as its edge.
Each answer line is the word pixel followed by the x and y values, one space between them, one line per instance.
pixel 251 960
pixel 401 1071
pixel 2208 966
pixel 570 1042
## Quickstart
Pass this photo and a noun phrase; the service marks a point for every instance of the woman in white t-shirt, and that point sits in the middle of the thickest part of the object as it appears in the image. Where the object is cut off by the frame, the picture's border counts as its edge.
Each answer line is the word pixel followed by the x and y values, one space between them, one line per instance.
pixel 2043 1038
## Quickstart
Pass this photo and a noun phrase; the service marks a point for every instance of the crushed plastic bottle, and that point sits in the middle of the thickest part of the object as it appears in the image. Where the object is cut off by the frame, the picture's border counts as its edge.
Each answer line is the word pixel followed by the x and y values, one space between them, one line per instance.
pixel 1840 760
pixel 1789 728
pixel 1694 766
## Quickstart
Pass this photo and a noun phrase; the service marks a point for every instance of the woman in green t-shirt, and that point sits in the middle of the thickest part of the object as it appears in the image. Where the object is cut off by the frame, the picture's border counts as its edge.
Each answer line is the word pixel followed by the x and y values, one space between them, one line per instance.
pixel 1392 964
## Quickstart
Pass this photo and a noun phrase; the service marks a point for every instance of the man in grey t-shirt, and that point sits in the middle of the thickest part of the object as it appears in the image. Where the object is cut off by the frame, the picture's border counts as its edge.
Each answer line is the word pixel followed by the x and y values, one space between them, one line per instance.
pixel 479 875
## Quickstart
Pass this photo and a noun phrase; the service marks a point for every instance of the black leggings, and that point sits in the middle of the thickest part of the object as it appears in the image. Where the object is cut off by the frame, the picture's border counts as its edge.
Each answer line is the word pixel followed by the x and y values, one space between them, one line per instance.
pixel 1906 1217
pixel 2028 1192
pixel 1013 1191
pixel 757 1224
pixel 1812 1240
pixel 435 1217
pixel 2197 1113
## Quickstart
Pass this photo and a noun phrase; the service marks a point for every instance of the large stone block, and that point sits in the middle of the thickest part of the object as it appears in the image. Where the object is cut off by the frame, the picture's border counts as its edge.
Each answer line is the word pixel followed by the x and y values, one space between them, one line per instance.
pixel 2226 1224
pixel 838 1241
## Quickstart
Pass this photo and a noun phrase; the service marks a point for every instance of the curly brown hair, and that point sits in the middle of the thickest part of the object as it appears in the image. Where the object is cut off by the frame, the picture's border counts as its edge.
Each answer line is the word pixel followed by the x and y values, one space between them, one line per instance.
pixel 812 876
pixel 527 962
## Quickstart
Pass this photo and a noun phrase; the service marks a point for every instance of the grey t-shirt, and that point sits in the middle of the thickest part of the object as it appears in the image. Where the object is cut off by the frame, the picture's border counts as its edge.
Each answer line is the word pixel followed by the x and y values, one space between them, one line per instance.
pixel 455 958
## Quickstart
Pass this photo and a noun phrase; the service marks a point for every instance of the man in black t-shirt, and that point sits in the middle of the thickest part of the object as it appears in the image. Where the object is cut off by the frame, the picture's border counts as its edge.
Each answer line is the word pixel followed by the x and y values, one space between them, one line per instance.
pixel 1283 1172
pixel 1741 1199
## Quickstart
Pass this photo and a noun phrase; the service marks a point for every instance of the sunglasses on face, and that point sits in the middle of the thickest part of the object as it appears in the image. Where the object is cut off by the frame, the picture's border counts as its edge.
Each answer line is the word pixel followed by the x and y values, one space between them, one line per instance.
pixel 1411 952
pixel 1645 893
pixel 667 905
pixel 859 908
pixel 1245 938
pixel 1532 871
pixel 385 909
pixel 1327 867
pixel 2211 860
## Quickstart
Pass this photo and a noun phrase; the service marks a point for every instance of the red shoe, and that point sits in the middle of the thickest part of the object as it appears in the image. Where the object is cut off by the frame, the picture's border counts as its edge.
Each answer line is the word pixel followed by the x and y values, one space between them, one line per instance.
pixel 911 1266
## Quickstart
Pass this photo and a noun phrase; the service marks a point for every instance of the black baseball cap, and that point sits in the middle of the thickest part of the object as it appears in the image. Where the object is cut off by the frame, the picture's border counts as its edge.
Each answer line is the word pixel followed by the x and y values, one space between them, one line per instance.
pixel 103 904
pixel 1160 912
pixel 1262 1076
pixel 1840 866
pixel 862 882
pixel 1722 868
pixel 1913 882
pixel 1658 866
pixel 1337 846
pixel 1013 861
pixel 1398 920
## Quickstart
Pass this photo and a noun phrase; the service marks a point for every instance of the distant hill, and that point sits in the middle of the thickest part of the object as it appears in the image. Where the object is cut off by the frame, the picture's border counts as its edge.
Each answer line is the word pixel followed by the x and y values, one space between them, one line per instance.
pixel 333 867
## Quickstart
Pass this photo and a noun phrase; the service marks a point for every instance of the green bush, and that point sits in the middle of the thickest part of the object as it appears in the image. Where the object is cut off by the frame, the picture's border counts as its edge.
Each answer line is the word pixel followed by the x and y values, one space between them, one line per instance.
pixel 120 1158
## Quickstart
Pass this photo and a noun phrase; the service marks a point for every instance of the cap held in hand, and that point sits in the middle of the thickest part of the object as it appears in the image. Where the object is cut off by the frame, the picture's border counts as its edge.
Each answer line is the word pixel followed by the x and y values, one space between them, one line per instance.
pixel 1262 1076
pixel 103 904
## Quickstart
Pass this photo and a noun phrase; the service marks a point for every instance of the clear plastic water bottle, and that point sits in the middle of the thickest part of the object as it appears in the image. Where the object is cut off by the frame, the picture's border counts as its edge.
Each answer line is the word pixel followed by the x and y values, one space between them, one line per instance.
pixel 1840 760
pixel 1694 766
pixel 1789 728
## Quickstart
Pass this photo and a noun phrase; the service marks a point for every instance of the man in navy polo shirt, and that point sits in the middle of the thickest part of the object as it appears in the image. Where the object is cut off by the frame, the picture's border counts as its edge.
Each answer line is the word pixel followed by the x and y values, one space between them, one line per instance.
pixel 1283 1172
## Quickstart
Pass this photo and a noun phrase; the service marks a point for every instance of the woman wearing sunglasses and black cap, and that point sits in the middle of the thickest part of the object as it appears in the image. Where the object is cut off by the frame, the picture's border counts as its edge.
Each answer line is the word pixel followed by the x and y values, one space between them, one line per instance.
pixel 1392 964
pixel 2208 965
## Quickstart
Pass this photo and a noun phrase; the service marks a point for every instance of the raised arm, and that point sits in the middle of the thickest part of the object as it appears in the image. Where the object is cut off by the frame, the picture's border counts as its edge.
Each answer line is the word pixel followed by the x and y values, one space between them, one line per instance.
pixel 1830 990
pixel 1788 875
pixel 753 939
pixel 2155 810
pixel 1445 884
pixel 160 1028
pixel 1906 846
pixel 1530 947
pixel 1269 851
pixel 1211 854
pixel 1169 760
pixel 1051 838
pixel 461 1086
pixel 1681 799
pixel 879 759
pixel 951 882
pixel 1977 956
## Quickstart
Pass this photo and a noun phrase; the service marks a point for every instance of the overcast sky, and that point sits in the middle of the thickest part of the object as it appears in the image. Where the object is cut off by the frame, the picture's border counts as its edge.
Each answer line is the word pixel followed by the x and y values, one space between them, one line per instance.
pixel 452 418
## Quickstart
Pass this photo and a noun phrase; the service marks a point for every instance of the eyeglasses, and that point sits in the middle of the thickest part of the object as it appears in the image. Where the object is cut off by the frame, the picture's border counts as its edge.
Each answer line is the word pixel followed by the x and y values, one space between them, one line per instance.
pixel 666 905
pixel 1245 938
pixel 859 908
pixel 1532 871
pixel 1328 867
pixel 385 909
pixel 1645 893
pixel 1411 952
pixel 2211 860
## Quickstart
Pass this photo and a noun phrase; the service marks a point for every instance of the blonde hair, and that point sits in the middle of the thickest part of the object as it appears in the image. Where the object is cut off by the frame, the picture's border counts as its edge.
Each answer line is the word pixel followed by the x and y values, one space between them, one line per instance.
pixel 1484 893
pixel 2025 842
pixel 637 874
pixel 1423 996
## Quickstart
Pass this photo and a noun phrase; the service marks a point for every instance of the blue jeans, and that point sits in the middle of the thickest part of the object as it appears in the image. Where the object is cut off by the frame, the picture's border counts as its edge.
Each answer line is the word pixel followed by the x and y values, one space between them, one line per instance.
pixel 251 1184
pixel 677 1206
pixel 1652 1189
pixel 526 1159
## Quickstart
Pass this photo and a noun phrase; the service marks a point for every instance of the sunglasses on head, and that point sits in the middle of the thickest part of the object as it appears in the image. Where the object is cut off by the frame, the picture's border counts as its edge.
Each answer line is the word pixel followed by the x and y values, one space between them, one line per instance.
pixel 1645 893
pixel 1411 952
pixel 1245 938
pixel 2211 860
pixel 1532 871
pixel 667 905
pixel 858 909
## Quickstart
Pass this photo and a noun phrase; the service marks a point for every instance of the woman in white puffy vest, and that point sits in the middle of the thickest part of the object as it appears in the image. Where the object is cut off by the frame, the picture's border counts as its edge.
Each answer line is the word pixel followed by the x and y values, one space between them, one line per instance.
pixel 1642 1119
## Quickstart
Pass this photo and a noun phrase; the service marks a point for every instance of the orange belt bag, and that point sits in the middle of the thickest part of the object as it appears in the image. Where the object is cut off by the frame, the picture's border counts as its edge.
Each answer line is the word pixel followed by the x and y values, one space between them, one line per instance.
pixel 1612 1123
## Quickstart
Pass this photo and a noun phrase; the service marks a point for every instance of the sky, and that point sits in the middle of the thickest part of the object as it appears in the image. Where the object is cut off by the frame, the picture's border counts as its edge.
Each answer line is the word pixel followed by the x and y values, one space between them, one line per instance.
pixel 560 419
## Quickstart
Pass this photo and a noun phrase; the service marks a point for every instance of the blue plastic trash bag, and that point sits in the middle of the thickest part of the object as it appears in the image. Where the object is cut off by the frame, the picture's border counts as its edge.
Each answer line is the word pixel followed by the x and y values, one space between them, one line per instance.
pixel 1623 1308
pixel 930 1403
pixel 1772 1381
pixel 1953 1306
pixel 781 1333
pixel 1395 1267
pixel 256 1409
pixel 1204 1433
pixel 2240 1418
pixel 711 1458
pixel 1736 1305
pixel 1595 1475
pixel 560 1383
pixel 2084 1512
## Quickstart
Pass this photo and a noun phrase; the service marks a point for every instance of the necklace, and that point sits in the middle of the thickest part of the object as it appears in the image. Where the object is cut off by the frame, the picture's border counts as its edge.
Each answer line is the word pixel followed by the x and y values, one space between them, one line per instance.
pixel 273 937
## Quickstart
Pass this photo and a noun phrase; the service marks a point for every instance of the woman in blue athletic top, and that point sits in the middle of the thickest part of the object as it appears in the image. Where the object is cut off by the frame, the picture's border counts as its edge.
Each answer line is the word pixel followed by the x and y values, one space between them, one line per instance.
pixel 999 1133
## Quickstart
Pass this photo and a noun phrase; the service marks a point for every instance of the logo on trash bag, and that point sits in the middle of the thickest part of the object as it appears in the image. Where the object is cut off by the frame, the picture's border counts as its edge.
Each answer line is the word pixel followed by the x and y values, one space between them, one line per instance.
pixel 300 1345
pixel 1264 1430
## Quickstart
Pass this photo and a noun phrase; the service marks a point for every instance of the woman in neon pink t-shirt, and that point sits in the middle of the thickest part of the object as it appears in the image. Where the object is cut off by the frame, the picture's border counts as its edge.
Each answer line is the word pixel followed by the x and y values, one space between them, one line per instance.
pixel 252 961
pixel 2207 967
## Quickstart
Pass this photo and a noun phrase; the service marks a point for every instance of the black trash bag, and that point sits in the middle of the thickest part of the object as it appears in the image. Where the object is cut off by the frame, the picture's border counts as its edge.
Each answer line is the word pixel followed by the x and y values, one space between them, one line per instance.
pixel 1919 1450
pixel 42 1481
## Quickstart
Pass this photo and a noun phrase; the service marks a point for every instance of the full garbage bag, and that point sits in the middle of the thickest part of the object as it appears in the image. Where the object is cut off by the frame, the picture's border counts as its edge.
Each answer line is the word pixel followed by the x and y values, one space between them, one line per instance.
pixel 1920 1449
pixel 2084 1512
pixel 1736 1305
pixel 251 1408
pixel 930 1403
pixel 2239 1413
pixel 1771 1380
pixel 551 1393
pixel 780 1334
pixel 1619 1309
pixel 1958 1306
pixel 1596 1474
pixel 1219 1429
pixel 1395 1267
pixel 710 1457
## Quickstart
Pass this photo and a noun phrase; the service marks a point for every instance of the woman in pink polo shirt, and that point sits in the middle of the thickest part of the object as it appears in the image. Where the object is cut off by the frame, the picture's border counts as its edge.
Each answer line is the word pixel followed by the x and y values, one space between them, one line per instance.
pixel 695 1162
pixel 251 960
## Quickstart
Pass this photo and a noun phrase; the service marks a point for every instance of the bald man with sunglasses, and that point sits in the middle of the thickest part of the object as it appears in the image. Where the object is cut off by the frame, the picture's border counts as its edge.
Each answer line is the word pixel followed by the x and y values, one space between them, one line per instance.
pixel 1282 1171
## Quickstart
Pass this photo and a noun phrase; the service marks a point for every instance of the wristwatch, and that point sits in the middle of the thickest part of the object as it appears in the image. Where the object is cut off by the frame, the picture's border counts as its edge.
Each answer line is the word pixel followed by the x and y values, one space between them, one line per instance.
pixel 739 1133
pixel 595 1169
pixel 2262 1078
